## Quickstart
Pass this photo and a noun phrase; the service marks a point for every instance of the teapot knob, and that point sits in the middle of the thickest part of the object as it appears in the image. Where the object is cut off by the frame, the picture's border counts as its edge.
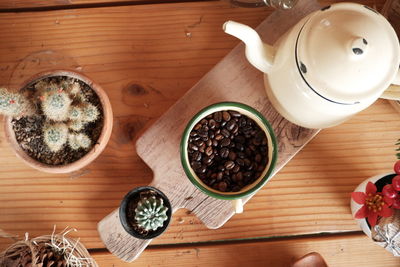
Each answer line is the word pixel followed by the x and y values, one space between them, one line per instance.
pixel 358 46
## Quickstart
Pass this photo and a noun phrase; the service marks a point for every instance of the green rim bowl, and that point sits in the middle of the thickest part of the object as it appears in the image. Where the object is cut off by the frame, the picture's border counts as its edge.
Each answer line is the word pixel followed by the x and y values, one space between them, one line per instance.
pixel 272 150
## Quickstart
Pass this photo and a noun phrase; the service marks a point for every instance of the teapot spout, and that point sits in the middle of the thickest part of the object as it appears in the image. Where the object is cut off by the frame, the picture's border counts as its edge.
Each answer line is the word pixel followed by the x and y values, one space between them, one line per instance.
pixel 259 54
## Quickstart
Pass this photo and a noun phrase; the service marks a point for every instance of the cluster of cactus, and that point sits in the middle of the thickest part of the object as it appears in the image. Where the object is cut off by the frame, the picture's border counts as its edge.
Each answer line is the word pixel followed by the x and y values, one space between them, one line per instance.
pixel 150 213
pixel 64 106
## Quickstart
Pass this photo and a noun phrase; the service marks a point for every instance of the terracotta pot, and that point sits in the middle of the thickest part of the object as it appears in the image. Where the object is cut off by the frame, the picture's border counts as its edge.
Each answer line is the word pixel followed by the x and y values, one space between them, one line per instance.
pixel 96 149
pixel 379 180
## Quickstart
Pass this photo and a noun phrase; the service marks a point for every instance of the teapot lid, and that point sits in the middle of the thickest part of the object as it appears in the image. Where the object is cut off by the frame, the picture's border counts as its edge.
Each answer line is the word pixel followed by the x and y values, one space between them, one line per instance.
pixel 347 53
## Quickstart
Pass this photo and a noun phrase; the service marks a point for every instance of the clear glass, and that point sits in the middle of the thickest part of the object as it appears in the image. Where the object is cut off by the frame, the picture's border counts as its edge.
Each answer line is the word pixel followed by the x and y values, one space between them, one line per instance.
pixel 278 4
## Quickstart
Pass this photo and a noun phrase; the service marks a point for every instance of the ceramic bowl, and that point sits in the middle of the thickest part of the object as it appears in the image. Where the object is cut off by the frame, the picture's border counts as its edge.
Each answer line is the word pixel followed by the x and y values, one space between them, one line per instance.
pixel 262 123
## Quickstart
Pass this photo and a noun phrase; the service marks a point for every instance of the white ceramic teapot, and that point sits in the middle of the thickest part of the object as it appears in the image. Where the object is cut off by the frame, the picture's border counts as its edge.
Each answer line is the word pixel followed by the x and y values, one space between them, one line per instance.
pixel 332 64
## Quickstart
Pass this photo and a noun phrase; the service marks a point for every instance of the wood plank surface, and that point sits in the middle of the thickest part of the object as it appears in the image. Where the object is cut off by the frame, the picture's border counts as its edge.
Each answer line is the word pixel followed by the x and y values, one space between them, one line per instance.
pixel 146 58
pixel 60 4
pixel 232 79
pixel 16 5
pixel 338 251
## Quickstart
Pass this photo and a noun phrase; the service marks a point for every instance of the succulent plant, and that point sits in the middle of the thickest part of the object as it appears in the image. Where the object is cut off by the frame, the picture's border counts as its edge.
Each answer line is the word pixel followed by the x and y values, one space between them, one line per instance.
pixel 56 105
pixel 150 213
pixel 15 105
pixel 80 140
pixel 90 113
pixel 55 136
pixel 76 126
pixel 65 109
pixel 75 113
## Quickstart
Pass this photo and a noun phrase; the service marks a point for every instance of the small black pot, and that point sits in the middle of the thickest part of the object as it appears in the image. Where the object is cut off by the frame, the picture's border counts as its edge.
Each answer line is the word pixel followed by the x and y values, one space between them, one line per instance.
pixel 123 212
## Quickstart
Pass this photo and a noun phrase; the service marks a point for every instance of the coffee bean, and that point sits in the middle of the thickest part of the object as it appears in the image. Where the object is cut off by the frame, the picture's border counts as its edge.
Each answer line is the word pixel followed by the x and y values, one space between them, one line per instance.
pixel 235 113
pixel 242 122
pixel 202 133
pixel 226 116
pixel 230 125
pixel 229 165
pixel 196 165
pixel 196 156
pixel 240 147
pixel 218 116
pixel 211 134
pixel 202 147
pixel 212 123
pixel 214 142
pixel 220 175
pixel 258 158
pixel 240 162
pixel 225 142
pixel 264 141
pixel 193 147
pixel 202 169
pixel 209 151
pixel 219 137
pixel 204 122
pixel 224 152
pixel 235 129
pixel 247 162
pixel 197 126
pixel 207 160
pixel 236 169
pixel 236 188
pixel 222 186
pixel 260 168
pixel 225 133
pixel 209 142
pixel 232 155
pixel 199 143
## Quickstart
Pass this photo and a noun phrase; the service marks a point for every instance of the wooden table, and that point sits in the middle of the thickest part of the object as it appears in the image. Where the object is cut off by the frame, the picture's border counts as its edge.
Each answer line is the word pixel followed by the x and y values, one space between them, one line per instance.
pixel 147 55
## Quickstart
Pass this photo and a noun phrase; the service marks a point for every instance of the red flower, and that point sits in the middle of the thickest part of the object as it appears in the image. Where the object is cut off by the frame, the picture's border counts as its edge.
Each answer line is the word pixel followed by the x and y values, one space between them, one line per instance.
pixel 374 204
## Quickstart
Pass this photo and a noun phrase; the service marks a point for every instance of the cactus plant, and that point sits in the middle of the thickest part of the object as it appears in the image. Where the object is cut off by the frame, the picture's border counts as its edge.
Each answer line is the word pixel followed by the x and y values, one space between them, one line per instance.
pixel 56 105
pixel 55 136
pixel 80 140
pixel 15 105
pixel 90 113
pixel 64 107
pixel 76 125
pixel 151 213
pixel 75 113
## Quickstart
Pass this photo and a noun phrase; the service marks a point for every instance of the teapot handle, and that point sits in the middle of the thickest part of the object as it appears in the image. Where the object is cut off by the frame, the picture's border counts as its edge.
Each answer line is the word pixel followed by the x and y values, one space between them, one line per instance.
pixel 393 91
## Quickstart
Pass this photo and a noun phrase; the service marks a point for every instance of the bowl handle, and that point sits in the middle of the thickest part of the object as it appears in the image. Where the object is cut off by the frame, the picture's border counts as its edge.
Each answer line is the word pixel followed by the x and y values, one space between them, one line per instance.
pixel 237 205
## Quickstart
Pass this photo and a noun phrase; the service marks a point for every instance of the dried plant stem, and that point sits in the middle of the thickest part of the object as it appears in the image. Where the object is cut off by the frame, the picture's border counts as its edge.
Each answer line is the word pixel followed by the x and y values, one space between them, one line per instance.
pixel 69 251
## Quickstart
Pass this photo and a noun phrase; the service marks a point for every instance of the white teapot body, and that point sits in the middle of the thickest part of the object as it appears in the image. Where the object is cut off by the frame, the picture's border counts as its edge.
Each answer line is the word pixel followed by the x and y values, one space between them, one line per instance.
pixel 299 81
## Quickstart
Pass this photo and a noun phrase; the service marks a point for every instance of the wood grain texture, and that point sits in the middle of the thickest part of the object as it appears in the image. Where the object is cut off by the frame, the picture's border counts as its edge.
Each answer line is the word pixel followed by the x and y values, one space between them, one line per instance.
pixel 146 58
pixel 37 4
pixel 232 79
pixel 59 4
pixel 338 251
pixel 144 64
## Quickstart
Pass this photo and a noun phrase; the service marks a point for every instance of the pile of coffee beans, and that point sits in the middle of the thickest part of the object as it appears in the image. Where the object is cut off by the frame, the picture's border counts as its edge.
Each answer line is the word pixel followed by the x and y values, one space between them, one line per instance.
pixel 227 150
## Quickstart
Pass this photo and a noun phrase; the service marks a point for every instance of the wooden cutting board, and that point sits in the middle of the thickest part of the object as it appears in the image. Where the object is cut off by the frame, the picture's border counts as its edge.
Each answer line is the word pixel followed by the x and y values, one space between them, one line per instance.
pixel 232 79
